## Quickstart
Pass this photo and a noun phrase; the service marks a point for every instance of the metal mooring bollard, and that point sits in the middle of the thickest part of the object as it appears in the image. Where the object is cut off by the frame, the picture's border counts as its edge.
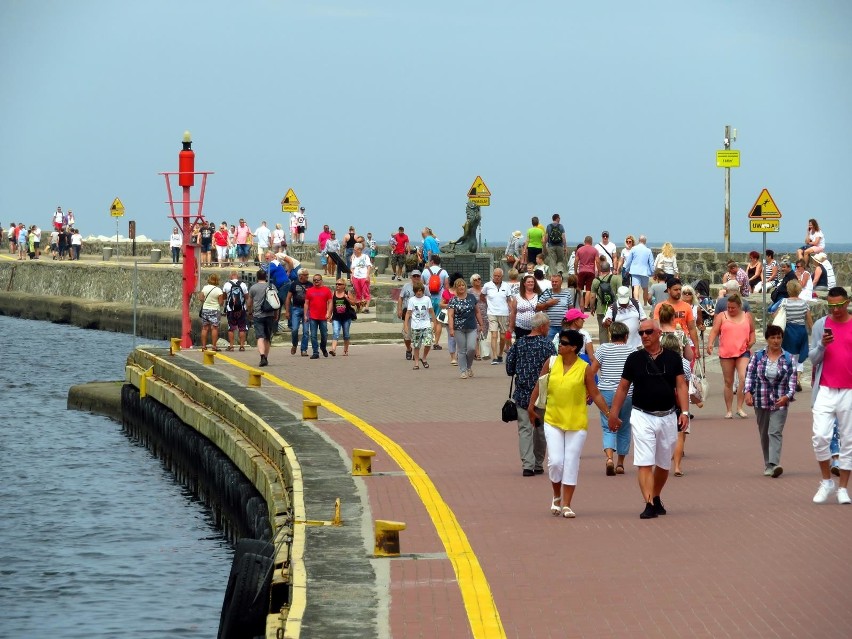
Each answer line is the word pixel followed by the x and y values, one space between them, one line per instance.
pixel 387 538
pixel 362 461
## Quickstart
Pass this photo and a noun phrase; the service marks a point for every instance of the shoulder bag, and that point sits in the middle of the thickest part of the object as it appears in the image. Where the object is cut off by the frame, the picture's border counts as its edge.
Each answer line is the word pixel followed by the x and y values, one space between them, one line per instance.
pixel 510 409
pixel 780 318
pixel 541 401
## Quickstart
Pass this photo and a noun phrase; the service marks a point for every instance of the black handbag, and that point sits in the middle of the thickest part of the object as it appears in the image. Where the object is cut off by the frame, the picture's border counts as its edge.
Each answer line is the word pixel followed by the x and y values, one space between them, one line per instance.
pixel 510 408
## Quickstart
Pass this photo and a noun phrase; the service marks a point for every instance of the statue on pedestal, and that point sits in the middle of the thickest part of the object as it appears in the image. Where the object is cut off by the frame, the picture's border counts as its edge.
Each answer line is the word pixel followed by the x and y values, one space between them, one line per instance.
pixel 467 242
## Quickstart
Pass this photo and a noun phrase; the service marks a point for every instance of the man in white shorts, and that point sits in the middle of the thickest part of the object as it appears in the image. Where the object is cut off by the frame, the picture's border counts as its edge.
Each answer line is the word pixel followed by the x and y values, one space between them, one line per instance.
pixel 496 295
pixel 660 410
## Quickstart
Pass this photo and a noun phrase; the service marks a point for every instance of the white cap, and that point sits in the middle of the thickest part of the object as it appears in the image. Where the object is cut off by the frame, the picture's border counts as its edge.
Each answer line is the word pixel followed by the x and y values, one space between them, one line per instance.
pixel 623 295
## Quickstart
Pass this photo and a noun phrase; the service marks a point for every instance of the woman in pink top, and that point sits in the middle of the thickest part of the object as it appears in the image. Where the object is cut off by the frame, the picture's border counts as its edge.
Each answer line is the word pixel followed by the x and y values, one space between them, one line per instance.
pixel 735 330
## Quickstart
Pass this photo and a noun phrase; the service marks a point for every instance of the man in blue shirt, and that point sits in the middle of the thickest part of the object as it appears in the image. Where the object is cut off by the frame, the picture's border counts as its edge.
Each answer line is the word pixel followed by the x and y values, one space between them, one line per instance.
pixel 640 265
pixel 430 244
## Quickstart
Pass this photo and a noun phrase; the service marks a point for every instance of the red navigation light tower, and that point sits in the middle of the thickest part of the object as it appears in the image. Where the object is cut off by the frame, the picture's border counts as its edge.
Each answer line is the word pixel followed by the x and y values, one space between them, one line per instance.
pixel 186 179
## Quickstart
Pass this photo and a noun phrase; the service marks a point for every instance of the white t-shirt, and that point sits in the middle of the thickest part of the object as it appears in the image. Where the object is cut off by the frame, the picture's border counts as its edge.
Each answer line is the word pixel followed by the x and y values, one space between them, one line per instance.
pixel 609 253
pixel 360 266
pixel 175 240
pixel 631 317
pixel 263 234
pixel 497 298
pixel 819 238
pixel 277 236
pixel 76 239
pixel 420 307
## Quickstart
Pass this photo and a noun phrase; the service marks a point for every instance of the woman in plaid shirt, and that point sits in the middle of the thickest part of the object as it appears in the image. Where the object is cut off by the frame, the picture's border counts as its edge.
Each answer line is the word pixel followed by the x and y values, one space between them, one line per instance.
pixel 770 385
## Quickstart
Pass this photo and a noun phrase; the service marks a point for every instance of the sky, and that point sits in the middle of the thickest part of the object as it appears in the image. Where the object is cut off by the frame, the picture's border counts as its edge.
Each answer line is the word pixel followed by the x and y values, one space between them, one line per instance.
pixel 380 114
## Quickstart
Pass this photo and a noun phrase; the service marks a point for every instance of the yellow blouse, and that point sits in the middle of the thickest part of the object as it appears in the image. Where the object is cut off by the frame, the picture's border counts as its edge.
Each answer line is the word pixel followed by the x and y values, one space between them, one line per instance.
pixel 566 396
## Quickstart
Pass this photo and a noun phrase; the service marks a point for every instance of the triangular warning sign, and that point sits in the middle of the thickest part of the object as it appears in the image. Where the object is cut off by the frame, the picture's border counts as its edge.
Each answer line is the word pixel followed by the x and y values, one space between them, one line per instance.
pixel 764 208
pixel 478 189
pixel 290 198
pixel 116 205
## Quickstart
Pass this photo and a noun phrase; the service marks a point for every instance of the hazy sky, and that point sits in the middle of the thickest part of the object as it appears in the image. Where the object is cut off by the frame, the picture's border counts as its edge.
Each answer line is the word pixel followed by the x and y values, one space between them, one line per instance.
pixel 382 113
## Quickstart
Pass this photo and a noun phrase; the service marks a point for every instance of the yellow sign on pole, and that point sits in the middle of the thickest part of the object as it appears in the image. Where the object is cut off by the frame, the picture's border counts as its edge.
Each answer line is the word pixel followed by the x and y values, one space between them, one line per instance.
pixel 727 159
pixel 764 226
pixel 290 202
pixel 117 208
pixel 479 193
pixel 764 208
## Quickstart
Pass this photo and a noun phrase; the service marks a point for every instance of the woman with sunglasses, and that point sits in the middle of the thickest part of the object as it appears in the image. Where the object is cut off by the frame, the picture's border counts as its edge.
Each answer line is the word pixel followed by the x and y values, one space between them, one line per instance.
pixel 621 268
pixel 570 382
pixel 342 303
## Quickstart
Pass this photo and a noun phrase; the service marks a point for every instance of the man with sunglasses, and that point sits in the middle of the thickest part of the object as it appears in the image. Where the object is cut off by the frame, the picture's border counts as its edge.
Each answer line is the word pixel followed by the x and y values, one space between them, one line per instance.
pixel 831 344
pixel 660 406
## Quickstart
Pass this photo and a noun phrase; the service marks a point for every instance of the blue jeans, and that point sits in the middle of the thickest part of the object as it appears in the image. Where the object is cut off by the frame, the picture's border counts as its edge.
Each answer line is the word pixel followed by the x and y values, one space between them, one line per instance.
pixel 323 329
pixel 297 320
pixel 175 254
pixel 619 441
pixel 337 325
pixel 834 446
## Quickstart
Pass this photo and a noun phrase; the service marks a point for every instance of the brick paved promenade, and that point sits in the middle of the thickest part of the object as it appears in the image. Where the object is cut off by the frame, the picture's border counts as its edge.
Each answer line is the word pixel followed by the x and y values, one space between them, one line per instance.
pixel 738 555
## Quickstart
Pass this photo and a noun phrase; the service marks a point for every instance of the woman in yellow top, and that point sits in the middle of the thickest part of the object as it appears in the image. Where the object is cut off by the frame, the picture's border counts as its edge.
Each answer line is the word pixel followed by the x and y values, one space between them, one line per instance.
pixel 566 420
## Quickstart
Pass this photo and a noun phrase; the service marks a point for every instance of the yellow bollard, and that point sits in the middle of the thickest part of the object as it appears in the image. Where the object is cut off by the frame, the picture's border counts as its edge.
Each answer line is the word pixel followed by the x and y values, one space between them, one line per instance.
pixel 387 538
pixel 309 409
pixel 143 382
pixel 175 342
pixel 254 378
pixel 209 357
pixel 362 461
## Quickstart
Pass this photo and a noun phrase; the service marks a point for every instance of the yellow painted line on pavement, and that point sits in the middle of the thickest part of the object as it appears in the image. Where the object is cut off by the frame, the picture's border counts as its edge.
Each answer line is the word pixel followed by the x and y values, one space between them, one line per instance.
pixel 479 603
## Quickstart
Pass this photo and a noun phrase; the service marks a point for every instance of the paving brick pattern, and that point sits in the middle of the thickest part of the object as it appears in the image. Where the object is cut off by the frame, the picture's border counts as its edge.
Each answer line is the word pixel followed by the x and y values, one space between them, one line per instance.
pixel 738 555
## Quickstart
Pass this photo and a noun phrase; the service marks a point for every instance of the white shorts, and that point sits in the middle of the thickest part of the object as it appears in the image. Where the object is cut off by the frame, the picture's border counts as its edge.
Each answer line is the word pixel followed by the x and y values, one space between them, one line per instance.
pixel 653 439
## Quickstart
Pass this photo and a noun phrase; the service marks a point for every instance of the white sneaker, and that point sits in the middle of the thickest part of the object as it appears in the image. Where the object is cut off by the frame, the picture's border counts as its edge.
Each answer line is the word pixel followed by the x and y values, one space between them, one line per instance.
pixel 843 496
pixel 826 487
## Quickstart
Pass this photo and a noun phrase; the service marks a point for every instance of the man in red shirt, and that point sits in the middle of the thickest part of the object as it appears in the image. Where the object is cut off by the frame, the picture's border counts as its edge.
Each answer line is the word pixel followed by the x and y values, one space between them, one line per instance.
pixel 318 313
pixel 586 267
pixel 400 250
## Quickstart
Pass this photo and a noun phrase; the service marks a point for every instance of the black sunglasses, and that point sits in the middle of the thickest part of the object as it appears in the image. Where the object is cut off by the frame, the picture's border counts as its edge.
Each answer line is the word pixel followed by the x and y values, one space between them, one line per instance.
pixel 561 343
pixel 647 331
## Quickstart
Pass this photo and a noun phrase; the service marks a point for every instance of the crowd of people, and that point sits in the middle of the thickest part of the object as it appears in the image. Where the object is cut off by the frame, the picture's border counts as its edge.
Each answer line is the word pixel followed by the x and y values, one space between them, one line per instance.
pixel 64 241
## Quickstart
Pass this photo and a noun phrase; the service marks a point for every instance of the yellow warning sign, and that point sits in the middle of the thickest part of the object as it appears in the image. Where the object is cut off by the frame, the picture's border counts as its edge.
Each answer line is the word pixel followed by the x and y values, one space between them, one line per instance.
pixel 290 202
pixel 478 189
pixel 764 208
pixel 117 208
pixel 764 226
pixel 481 201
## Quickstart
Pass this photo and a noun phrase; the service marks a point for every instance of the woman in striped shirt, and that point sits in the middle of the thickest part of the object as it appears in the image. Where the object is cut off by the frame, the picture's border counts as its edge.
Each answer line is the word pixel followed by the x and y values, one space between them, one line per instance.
pixel 799 322
pixel 608 365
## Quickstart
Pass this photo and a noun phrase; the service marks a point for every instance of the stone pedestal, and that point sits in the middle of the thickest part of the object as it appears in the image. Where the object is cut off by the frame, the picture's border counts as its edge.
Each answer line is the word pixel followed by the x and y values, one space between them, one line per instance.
pixel 380 263
pixel 467 264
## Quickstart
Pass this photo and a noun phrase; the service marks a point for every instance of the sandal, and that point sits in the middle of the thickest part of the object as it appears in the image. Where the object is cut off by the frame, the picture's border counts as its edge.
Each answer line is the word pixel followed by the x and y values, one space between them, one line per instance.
pixel 555 509
pixel 242 348
pixel 728 416
pixel 345 353
pixel 230 348
pixel 741 413
pixel 425 363
pixel 453 362
pixel 610 468
pixel 567 512
pixel 416 368
pixel 619 469
pixel 678 473
pixel 332 353
pixel 215 349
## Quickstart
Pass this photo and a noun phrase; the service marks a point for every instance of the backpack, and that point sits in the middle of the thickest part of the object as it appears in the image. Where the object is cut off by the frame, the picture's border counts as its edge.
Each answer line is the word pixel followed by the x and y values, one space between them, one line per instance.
pixel 271 301
pixel 605 291
pixel 236 301
pixel 434 281
pixel 554 234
